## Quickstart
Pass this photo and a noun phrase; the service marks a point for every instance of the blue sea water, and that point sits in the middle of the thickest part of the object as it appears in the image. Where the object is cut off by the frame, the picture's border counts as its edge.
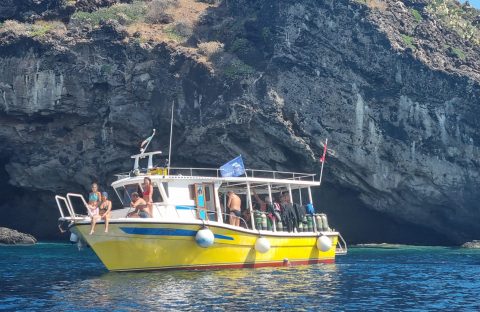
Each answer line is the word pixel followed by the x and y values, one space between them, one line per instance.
pixel 58 277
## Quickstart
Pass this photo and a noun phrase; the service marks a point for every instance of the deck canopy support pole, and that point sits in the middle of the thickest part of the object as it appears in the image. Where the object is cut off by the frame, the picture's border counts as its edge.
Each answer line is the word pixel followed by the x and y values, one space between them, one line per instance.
pixel 311 202
pixel 249 205
pixel 270 198
pixel 270 192
pixel 300 195
pixel 290 193
pixel 225 205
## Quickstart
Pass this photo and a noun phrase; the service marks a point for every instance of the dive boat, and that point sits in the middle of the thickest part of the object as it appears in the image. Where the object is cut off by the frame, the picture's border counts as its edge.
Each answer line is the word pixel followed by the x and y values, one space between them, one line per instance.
pixel 190 228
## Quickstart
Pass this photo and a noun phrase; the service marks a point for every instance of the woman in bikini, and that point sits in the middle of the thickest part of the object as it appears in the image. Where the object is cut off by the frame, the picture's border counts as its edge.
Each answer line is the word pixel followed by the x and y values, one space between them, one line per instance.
pixel 104 213
pixel 147 194
pixel 93 199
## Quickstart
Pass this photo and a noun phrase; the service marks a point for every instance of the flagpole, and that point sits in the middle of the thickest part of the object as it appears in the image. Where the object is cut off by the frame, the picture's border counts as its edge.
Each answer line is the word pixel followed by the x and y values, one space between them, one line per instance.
pixel 148 143
pixel 170 147
pixel 323 162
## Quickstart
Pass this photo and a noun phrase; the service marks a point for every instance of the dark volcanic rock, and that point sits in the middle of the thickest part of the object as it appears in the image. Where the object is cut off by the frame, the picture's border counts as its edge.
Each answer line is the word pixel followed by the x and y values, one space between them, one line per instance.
pixel 31 10
pixel 12 237
pixel 403 121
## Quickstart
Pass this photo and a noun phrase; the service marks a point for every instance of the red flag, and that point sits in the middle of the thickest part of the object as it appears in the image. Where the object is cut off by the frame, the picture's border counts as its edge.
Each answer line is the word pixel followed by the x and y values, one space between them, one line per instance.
pixel 322 159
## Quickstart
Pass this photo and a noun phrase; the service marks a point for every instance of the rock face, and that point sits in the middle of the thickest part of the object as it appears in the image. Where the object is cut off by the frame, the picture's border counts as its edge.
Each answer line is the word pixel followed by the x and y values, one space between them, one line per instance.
pixel 12 237
pixel 403 119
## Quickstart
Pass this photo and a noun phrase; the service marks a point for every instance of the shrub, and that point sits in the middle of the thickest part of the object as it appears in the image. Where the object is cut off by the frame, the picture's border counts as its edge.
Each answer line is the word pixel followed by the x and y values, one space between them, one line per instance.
pixel 156 11
pixel 210 48
pixel 408 41
pixel 39 29
pixel 458 53
pixel 183 28
pixel 238 69
pixel 463 19
pixel 122 12
pixel 417 16
pixel 171 34
pixel 15 27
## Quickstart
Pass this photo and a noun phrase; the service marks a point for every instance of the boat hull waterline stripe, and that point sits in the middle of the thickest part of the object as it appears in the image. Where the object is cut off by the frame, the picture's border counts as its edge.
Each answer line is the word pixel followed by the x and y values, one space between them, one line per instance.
pixel 167 232
pixel 238 265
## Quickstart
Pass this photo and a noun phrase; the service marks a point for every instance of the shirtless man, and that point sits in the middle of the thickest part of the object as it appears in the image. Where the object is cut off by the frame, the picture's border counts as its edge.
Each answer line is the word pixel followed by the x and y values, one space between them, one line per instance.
pixel 140 206
pixel 234 203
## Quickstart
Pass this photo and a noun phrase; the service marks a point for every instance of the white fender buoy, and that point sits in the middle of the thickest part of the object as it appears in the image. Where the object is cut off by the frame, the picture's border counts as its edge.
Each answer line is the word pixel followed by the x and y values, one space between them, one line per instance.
pixel 324 243
pixel 80 244
pixel 73 238
pixel 204 238
pixel 262 245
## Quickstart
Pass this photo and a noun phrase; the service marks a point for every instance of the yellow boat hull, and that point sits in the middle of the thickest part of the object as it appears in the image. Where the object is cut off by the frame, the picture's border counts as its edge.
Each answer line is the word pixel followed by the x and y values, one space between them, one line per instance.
pixel 151 246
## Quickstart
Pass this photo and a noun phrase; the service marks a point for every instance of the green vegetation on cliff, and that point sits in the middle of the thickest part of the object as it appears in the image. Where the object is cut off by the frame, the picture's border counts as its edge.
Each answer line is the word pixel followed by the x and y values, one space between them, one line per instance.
pixel 463 19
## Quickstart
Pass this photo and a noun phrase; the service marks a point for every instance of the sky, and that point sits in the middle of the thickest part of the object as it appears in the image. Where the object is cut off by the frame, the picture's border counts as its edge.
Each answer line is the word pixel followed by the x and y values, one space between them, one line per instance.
pixel 474 3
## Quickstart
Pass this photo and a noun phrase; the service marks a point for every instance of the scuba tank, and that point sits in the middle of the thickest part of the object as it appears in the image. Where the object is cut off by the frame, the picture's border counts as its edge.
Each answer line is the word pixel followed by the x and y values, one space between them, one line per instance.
pixel 258 219
pixel 300 227
pixel 280 226
pixel 269 224
pixel 324 222
pixel 309 223
pixel 263 217
pixel 318 220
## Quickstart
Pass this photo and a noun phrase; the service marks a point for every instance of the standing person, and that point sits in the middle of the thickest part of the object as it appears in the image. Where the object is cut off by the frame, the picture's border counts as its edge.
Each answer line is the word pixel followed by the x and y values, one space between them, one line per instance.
pixel 262 204
pixel 93 199
pixel 104 213
pixel 234 204
pixel 147 194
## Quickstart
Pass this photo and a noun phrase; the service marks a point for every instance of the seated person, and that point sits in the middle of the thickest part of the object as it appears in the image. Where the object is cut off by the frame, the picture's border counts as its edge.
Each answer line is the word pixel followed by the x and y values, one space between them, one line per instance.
pixel 93 199
pixel 140 206
pixel 104 213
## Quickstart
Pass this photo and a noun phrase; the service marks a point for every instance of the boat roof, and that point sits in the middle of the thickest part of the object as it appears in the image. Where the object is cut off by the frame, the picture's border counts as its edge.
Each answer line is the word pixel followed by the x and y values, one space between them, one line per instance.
pixel 254 177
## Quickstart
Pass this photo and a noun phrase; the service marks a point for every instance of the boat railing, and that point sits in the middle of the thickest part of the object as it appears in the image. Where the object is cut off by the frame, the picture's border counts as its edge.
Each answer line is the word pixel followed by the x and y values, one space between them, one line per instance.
pixel 341 248
pixel 242 220
pixel 69 200
pixel 60 200
pixel 215 172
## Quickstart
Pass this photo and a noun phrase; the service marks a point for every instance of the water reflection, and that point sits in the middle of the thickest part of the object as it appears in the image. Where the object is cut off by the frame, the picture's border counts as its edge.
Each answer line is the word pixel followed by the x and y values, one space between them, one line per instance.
pixel 61 279
pixel 229 289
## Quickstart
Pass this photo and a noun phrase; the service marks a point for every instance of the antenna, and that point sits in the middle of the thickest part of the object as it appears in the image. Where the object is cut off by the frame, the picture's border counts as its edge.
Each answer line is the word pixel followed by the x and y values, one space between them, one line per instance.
pixel 170 147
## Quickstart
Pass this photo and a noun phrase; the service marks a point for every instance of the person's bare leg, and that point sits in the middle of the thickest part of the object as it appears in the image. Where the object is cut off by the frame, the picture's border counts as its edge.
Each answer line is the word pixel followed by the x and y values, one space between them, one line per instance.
pixel 94 221
pixel 232 218
pixel 237 221
pixel 107 219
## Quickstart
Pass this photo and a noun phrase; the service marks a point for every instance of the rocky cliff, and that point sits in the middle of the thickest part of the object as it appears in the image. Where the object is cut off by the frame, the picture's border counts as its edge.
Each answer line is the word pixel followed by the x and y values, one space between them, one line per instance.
pixel 392 84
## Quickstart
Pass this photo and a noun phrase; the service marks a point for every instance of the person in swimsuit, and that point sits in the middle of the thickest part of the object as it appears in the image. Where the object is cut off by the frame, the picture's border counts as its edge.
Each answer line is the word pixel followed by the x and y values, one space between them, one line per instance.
pixel 93 199
pixel 147 194
pixel 140 206
pixel 262 204
pixel 234 204
pixel 104 213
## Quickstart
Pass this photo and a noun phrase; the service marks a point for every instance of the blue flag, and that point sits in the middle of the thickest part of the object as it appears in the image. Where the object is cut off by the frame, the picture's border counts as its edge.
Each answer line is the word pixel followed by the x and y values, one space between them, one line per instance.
pixel 234 168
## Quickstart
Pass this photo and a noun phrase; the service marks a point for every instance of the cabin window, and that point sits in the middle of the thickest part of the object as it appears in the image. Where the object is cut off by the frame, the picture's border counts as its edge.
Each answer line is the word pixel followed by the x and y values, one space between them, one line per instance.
pixel 121 195
pixel 129 189
pixel 191 190
pixel 207 193
pixel 165 187
pixel 157 196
